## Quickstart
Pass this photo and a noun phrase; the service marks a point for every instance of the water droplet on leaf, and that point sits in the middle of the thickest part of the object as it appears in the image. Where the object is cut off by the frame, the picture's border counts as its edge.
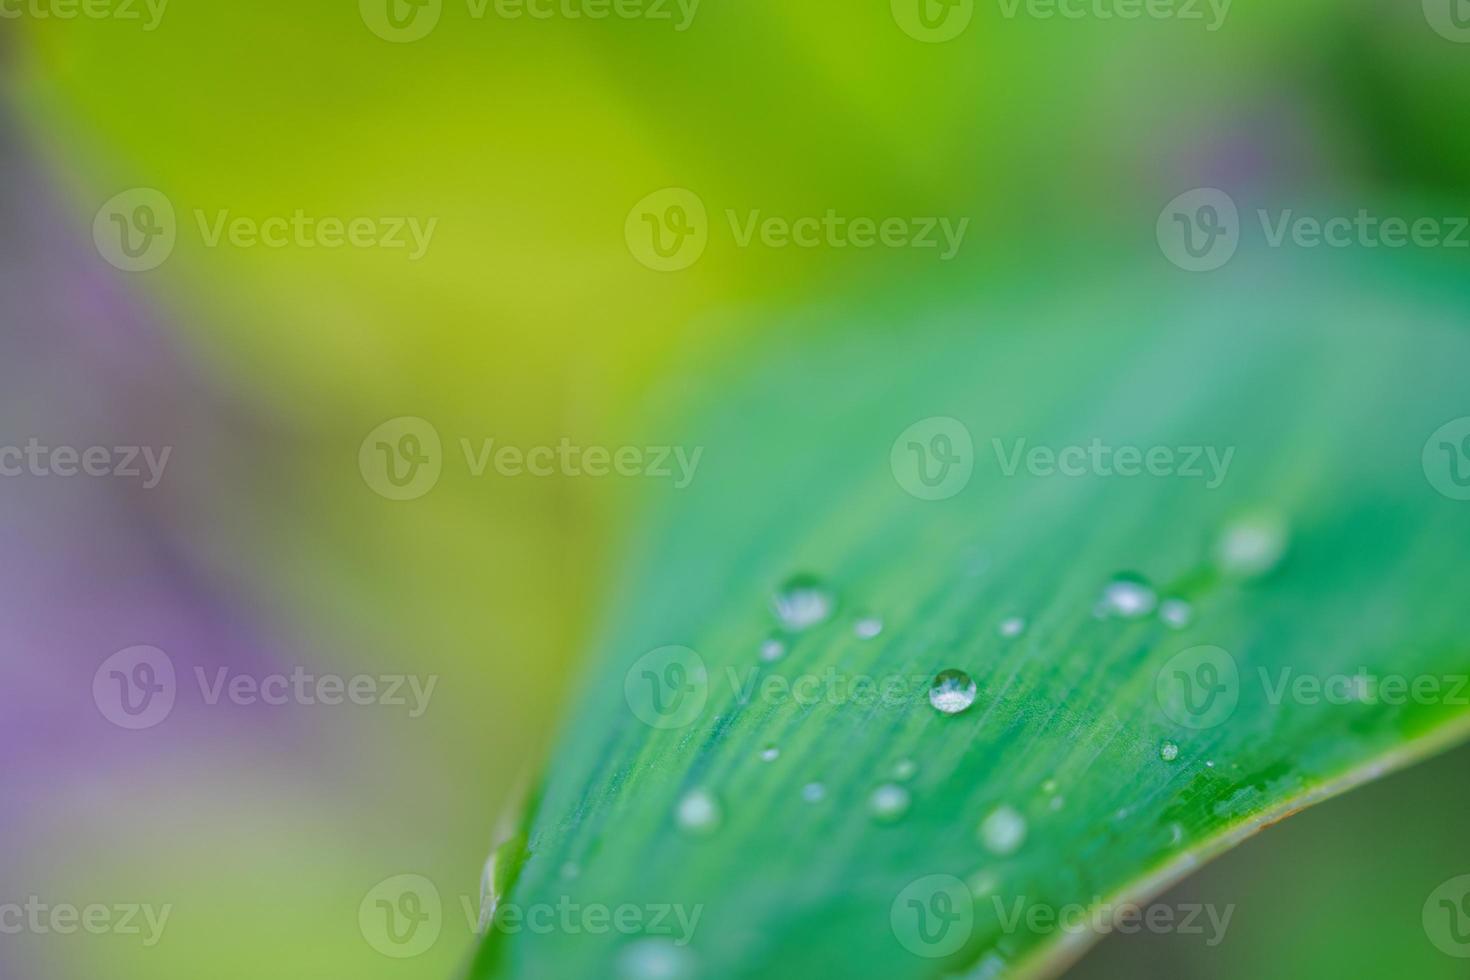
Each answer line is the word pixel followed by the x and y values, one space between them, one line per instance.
pixel 699 812
pixel 1004 831
pixel 1128 596
pixel 1176 613
pixel 952 691
pixel 655 958
pixel 1251 546
pixel 803 602
pixel 889 802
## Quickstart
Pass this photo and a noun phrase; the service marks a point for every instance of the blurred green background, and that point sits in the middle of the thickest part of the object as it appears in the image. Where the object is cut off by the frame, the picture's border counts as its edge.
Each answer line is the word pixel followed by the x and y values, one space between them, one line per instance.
pixel 528 320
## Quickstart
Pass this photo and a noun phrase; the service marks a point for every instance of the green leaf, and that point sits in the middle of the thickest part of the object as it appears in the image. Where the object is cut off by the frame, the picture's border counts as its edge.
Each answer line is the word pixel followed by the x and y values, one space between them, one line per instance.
pixel 1330 546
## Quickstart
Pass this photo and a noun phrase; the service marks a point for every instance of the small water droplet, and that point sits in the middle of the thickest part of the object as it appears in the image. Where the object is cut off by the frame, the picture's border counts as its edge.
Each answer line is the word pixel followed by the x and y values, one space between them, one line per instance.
pixel 1014 626
pixel 1251 546
pixel 868 628
pixel 1057 802
pixel 772 649
pixel 1049 787
pixel 1169 751
pixel 803 602
pixel 952 691
pixel 1210 764
pixel 1176 833
pixel 889 802
pixel 1003 831
pixel 699 812
pixel 982 883
pixel 655 958
pixel 905 769
pixel 770 754
pixel 814 792
pixel 1128 596
pixel 571 870
pixel 1176 613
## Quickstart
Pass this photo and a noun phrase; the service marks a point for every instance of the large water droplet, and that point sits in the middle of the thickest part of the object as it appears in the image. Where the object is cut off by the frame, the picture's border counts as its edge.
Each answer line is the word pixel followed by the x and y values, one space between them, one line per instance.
pixel 655 958
pixel 1128 596
pixel 1176 613
pixel 1251 546
pixel 889 802
pixel 1004 831
pixel 699 813
pixel 952 691
pixel 803 602
pixel 1169 751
